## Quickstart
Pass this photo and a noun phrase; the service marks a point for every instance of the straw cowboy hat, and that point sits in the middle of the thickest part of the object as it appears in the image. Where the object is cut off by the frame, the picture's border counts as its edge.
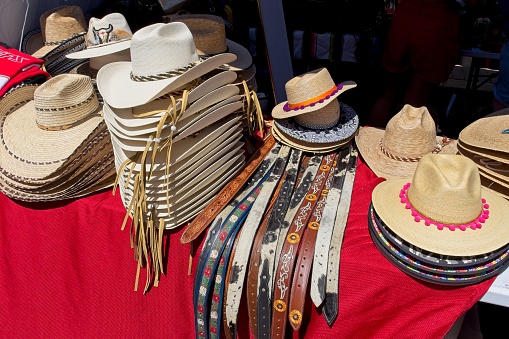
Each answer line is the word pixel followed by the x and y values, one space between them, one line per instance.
pixel 490 132
pixel 60 118
pixel 108 35
pixel 395 151
pixel 163 58
pixel 309 92
pixel 444 209
pixel 209 36
pixel 61 28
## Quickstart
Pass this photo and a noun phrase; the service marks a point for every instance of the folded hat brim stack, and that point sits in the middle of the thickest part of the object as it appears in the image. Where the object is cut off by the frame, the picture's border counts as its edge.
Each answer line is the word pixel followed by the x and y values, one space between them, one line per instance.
pixel 486 142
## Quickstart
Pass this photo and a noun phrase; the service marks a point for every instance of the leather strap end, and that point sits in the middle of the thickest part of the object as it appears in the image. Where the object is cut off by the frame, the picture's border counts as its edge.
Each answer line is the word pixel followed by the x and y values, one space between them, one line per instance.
pixel 330 308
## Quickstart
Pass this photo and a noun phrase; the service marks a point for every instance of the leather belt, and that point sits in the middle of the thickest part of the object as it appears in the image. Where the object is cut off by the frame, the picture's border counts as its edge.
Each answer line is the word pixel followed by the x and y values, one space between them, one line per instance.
pixel 283 274
pixel 307 172
pixel 194 229
pixel 304 261
pixel 254 261
pixel 324 233
pixel 268 241
pixel 228 228
pixel 247 233
pixel 330 307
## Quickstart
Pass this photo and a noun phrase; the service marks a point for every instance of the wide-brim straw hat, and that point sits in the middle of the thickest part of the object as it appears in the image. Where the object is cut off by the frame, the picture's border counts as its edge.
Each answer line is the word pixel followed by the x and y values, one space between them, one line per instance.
pixel 487 165
pixel 445 192
pixel 209 34
pixel 60 117
pixel 110 34
pixel 394 152
pixel 344 126
pixel 61 28
pixel 309 92
pixel 307 146
pixel 502 157
pixel 490 132
pixel 163 58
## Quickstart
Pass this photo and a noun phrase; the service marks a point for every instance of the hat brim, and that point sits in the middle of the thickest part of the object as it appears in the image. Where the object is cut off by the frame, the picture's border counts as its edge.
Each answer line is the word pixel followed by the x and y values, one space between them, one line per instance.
pixel 491 167
pixel 279 113
pixel 306 146
pixel 494 185
pixel 120 91
pixel 100 50
pixel 345 127
pixel 244 58
pixel 204 95
pixel 483 152
pixel 493 235
pixel 34 45
pixel 368 141
pixel 487 133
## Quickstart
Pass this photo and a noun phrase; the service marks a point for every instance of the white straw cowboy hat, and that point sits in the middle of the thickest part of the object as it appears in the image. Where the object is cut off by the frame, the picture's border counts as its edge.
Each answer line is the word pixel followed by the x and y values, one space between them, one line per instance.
pixel 108 35
pixel 163 58
pixel 395 151
pixel 490 132
pixel 61 28
pixel 209 34
pixel 444 209
pixel 309 92
pixel 62 116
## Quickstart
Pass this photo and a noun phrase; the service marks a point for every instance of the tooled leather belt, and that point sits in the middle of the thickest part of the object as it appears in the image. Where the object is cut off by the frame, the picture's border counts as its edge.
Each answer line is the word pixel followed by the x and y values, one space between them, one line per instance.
pixel 283 274
pixel 298 290
pixel 271 250
pixel 268 233
pixel 254 261
pixel 331 304
pixel 247 233
pixel 194 229
pixel 324 234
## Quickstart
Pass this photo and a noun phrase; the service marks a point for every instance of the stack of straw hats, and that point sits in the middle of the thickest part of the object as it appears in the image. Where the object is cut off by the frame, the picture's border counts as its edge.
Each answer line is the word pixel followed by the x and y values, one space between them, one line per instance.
pixel 55 144
pixel 176 137
pixel 313 119
pixel 441 226
pixel 486 142
pixel 62 31
pixel 209 34
pixel 394 152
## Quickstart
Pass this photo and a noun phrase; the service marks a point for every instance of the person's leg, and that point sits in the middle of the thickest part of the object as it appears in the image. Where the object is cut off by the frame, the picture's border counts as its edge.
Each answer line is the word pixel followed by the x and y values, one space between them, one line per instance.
pixel 419 93
pixel 382 109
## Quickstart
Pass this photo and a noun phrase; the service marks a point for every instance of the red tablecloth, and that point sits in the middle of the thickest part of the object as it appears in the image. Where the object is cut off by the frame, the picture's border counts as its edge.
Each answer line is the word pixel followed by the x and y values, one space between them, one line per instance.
pixel 67 271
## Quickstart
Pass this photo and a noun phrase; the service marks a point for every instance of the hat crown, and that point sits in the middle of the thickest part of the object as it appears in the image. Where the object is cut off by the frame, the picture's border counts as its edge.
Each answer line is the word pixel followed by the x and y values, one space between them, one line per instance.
pixel 308 86
pixel 446 188
pixel 109 29
pixel 410 133
pixel 161 48
pixel 209 32
pixel 62 23
pixel 64 100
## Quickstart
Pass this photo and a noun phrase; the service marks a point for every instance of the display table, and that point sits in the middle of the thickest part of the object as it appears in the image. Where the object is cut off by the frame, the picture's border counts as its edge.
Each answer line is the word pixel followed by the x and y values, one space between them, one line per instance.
pixel 67 271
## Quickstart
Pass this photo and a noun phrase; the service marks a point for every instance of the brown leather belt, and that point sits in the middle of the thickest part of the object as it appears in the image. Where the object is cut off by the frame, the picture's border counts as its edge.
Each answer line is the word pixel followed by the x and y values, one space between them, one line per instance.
pixel 288 255
pixel 194 229
pixel 304 262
